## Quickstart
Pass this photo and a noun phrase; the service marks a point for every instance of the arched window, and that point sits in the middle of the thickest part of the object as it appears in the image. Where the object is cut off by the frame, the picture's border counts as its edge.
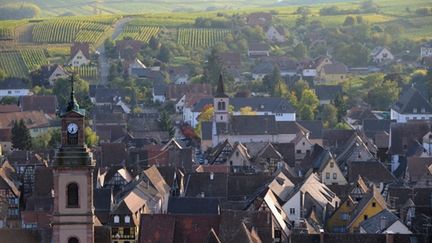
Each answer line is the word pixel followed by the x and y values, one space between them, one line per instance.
pixel 72 195
pixel 221 105
pixel 73 240
pixel 127 219
pixel 116 219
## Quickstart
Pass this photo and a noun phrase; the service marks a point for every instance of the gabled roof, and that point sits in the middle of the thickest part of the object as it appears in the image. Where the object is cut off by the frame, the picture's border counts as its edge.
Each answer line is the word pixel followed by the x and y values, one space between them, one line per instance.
pixel 364 202
pixel 418 167
pixel 254 46
pixel 32 119
pixel 113 154
pixel 328 92
pixel 220 90
pixel 193 206
pixel 9 108
pixel 230 58
pixel 377 50
pixel 262 104
pixel 156 228
pixel 45 103
pixel 378 223
pixel 9 179
pixel 335 68
pixel 405 135
pixel 315 128
pixel 263 68
pixel 13 83
pixel 80 46
pixel 412 100
pixel 373 171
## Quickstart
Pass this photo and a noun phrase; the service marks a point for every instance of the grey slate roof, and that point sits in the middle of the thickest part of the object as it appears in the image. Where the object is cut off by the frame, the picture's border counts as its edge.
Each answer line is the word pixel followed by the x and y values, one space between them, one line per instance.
pixel 263 68
pixel 410 100
pixel 193 205
pixel 13 83
pixel 379 222
pixel 159 89
pixel 335 68
pixel 315 128
pixel 269 104
pixel 327 92
pixel 148 73
pixel 374 126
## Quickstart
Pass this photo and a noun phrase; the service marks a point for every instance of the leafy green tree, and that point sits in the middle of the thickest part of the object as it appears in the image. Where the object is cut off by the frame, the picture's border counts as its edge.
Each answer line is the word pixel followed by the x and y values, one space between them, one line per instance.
pixel 341 106
pixel 349 20
pixel 62 88
pixel 299 51
pixel 383 95
pixel 329 115
pixel 9 100
pixel 299 86
pixel 154 43
pixel 166 124
pixel 164 54
pixel 21 138
pixel 306 112
pixel 281 89
pixel 91 138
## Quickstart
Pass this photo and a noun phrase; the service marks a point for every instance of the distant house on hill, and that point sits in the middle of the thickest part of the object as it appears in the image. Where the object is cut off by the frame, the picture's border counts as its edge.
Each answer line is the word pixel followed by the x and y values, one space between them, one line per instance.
pixel 412 105
pixel 49 73
pixel 333 72
pixel 381 55
pixel 127 49
pixel 13 87
pixel 258 50
pixel 275 34
pixel 80 54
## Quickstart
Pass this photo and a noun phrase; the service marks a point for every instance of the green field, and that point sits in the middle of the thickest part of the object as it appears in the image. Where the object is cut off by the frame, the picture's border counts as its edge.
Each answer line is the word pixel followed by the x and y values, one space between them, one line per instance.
pixel 19 63
pixel 202 37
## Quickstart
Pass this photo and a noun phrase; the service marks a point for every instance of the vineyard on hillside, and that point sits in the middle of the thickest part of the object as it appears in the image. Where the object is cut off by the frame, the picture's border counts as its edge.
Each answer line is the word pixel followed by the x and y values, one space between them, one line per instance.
pixel 6 33
pixel 205 37
pixel 88 73
pixel 141 33
pixel 19 63
pixel 67 30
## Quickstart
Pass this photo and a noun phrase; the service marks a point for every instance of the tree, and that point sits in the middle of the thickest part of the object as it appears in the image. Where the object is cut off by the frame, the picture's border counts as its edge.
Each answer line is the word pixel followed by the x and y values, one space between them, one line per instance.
pixel 383 95
pixel 349 20
pixel 299 51
pixel 62 88
pixel 329 115
pixel 165 123
pixel 154 43
pixel 341 106
pixel 306 112
pixel 299 86
pixel 281 89
pixel 247 111
pixel 21 138
pixel 164 54
pixel 91 138
pixel 9 100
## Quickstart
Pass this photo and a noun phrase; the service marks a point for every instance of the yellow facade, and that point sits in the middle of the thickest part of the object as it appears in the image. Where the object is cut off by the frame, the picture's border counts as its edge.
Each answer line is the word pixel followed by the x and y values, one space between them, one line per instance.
pixel 340 218
pixel 373 207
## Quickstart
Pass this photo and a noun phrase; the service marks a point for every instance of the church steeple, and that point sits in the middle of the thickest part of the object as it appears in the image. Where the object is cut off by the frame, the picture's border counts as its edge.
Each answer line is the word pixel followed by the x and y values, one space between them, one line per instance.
pixel 72 104
pixel 220 90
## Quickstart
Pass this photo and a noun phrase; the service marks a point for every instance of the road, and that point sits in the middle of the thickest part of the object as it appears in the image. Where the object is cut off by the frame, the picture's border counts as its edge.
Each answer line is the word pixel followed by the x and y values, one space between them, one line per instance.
pixel 102 59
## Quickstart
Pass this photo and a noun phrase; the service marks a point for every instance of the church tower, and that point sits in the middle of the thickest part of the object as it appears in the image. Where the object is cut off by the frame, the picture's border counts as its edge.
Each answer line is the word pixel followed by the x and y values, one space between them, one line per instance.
pixel 73 165
pixel 221 103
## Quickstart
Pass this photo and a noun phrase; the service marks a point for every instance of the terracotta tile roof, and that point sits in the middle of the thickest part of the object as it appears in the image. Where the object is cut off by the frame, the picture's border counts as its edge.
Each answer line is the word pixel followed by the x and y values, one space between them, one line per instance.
pixel 372 171
pixel 113 154
pixel 176 91
pixel 9 108
pixel 417 167
pixel 156 228
pixel 32 119
pixel 80 46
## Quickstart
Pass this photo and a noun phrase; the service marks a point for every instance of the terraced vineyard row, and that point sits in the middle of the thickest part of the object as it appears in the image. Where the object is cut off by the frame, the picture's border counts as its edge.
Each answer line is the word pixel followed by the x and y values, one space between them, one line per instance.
pixel 20 63
pixel 141 33
pixel 6 33
pixel 70 30
pixel 194 37
pixel 89 73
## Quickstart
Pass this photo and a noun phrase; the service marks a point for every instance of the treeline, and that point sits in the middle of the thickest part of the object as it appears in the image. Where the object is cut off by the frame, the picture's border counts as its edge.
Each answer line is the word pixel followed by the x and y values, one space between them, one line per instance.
pixel 19 11
pixel 365 7
pixel 201 22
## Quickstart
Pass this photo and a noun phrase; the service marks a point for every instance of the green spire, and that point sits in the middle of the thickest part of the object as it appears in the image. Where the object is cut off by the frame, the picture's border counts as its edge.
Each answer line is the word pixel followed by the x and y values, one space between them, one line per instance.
pixel 73 104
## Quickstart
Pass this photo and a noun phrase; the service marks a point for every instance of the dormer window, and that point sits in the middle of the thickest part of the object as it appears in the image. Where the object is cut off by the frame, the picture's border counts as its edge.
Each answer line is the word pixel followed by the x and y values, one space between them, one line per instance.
pixel 116 219
pixel 423 110
pixel 414 110
pixel 127 219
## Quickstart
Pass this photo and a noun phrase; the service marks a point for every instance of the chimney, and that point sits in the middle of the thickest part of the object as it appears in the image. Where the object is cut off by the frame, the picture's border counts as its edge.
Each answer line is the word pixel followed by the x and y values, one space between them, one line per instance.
pixel 322 235
pixel 383 222
pixel 389 238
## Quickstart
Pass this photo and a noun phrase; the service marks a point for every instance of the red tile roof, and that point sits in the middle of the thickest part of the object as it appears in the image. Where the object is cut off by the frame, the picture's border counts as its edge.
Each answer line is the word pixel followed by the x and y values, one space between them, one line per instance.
pixel 47 104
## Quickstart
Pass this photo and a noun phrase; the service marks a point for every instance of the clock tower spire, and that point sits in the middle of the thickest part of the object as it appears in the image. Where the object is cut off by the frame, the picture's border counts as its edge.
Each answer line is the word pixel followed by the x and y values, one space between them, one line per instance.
pixel 73 166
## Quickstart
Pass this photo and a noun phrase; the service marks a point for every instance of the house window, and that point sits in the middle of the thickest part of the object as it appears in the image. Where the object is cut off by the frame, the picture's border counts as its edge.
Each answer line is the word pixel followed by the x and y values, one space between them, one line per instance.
pixel 331 164
pixel 423 110
pixel 298 151
pixel 221 105
pixel 414 110
pixel 127 219
pixel 73 240
pixel 237 154
pixel 126 231
pixel 221 117
pixel 365 217
pixel 303 143
pixel 292 210
pixel 374 204
pixel 327 175
pixel 334 175
pixel 72 195
pixel 345 216
pixel 116 219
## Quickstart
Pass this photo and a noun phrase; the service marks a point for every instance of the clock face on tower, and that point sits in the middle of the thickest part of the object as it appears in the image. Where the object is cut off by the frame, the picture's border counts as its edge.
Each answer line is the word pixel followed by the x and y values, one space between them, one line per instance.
pixel 72 128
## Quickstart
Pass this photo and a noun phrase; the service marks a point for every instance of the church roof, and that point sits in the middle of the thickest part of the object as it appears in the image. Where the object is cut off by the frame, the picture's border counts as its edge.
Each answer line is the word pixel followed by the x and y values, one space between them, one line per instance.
pixel 220 90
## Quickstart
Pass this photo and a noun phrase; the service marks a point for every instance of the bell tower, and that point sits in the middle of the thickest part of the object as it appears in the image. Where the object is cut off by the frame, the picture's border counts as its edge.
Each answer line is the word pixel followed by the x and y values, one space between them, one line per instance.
pixel 221 103
pixel 73 165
